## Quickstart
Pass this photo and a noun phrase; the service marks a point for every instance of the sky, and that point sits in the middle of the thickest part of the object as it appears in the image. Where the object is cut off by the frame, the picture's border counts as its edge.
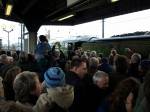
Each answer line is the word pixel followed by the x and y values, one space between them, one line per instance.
pixel 128 23
pixel 8 26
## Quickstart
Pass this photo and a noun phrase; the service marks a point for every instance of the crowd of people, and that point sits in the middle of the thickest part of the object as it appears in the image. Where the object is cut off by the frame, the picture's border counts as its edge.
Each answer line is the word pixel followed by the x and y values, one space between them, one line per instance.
pixel 83 81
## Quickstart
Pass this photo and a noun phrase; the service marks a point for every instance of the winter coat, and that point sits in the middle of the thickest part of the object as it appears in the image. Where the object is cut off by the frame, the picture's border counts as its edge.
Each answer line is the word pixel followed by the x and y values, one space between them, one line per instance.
pixel 79 103
pixel 62 96
pixel 41 49
pixel 26 106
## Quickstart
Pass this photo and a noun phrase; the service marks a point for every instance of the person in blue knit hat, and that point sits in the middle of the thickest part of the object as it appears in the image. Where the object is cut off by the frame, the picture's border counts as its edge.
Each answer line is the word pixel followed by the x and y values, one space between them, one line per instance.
pixel 54 77
pixel 59 96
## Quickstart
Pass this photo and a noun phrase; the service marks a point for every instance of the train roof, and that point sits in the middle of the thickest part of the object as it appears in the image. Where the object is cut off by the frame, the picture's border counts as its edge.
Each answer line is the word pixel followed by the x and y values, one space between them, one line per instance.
pixel 123 38
pixel 96 39
pixel 83 38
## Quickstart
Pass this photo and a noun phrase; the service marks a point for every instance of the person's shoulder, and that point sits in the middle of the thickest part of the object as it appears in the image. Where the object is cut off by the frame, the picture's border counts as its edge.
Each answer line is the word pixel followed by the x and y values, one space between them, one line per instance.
pixel 46 44
pixel 25 106
pixel 70 75
pixel 43 103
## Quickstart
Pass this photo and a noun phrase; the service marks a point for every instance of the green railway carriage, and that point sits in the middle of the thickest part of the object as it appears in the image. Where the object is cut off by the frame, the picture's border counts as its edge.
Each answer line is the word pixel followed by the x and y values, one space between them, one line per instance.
pixel 140 44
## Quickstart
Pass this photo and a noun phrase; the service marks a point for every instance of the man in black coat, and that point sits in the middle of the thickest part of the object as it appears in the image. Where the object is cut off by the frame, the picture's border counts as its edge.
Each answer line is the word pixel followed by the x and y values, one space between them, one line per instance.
pixel 74 77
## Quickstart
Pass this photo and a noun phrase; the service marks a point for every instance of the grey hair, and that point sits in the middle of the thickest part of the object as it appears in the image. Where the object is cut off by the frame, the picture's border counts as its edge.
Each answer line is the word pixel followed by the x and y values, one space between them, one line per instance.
pixel 136 57
pixel 93 54
pixel 99 74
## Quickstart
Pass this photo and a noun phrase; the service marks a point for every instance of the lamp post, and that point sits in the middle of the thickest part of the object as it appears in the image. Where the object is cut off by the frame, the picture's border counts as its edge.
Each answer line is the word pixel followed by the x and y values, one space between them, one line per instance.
pixel 103 28
pixel 8 31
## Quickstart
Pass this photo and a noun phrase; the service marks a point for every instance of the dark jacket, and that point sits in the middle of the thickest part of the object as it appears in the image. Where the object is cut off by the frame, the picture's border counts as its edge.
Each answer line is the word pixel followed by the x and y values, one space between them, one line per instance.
pixel 79 92
pixel 94 95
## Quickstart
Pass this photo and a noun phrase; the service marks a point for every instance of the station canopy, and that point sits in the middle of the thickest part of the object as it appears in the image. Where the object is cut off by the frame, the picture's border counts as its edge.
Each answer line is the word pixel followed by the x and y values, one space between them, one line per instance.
pixel 34 13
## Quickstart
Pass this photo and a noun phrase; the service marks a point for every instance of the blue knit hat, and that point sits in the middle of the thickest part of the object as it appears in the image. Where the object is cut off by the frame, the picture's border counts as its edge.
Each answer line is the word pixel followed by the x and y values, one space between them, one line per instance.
pixel 54 77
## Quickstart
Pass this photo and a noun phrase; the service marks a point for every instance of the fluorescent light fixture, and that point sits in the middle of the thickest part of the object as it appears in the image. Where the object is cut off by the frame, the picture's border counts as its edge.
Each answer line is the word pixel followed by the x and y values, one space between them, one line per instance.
pixel 114 1
pixel 8 9
pixel 71 2
pixel 66 17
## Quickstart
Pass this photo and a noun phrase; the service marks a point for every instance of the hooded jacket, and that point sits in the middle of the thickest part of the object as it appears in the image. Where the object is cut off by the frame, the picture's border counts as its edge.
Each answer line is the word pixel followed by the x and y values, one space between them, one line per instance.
pixel 62 96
